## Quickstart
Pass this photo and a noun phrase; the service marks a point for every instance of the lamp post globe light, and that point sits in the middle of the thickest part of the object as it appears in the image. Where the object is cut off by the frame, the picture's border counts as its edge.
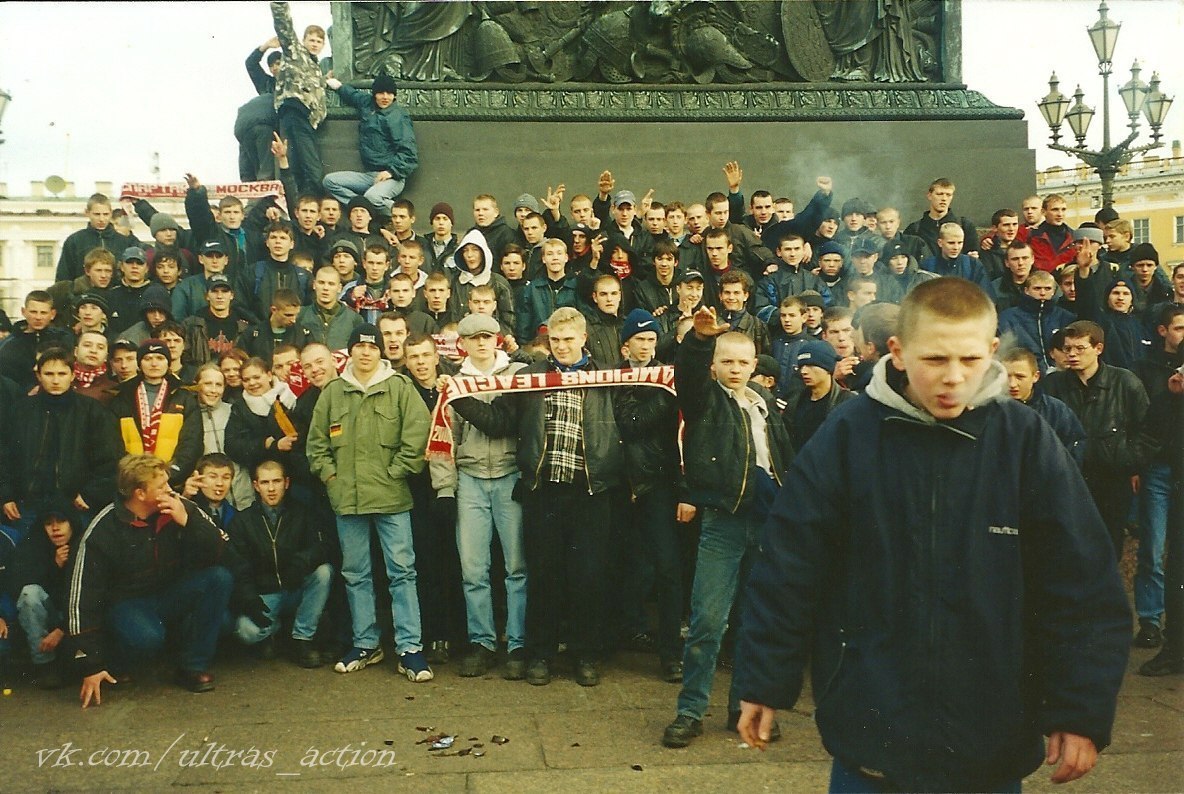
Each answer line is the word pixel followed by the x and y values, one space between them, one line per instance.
pixel 1138 98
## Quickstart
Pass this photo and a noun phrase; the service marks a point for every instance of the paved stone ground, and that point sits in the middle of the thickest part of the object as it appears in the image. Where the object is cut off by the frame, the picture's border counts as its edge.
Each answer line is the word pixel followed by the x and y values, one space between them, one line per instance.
pixel 561 737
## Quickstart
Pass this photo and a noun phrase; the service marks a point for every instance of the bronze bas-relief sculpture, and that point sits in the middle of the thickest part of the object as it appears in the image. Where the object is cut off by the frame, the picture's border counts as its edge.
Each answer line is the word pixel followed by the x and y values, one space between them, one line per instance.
pixel 660 42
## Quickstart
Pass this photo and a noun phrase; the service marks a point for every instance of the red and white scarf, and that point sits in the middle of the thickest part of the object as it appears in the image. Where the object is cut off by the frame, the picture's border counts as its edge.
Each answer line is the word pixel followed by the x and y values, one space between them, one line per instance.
pixel 440 439
pixel 150 415
pixel 85 377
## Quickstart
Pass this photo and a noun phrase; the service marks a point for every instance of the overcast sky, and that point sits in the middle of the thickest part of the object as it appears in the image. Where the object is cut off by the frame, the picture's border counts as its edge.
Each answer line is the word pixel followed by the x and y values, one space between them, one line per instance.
pixel 97 88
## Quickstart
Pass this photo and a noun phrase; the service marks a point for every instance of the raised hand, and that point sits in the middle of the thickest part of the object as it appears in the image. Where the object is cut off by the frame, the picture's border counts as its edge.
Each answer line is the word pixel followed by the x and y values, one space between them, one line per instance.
pixel 596 244
pixel 279 147
pixel 647 201
pixel 606 183
pixel 707 325
pixel 554 199
pixel 734 174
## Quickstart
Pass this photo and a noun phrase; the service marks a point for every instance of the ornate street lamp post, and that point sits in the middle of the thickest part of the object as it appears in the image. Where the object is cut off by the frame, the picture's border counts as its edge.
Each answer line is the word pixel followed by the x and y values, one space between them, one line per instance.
pixel 1137 96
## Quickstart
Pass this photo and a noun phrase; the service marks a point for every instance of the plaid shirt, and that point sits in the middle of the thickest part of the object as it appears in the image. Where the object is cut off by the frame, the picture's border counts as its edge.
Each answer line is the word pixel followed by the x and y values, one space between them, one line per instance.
pixel 563 459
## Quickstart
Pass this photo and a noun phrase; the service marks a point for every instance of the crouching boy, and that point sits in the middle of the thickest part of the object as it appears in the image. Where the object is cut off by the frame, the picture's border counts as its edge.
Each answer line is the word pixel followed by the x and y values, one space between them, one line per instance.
pixel 149 560
pixel 283 567
pixel 41 579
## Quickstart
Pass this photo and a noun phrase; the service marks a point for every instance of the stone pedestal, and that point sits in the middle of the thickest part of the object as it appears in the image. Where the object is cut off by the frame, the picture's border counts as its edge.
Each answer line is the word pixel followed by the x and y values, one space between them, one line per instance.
pixel 888 163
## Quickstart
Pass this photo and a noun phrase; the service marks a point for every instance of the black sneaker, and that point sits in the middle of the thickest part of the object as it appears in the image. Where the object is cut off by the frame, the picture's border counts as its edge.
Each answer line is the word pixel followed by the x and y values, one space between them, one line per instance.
pixel 680 732
pixel 196 680
pixel 672 671
pixel 306 654
pixel 641 642
pixel 476 662
pixel 1149 636
pixel 1163 663
pixel 587 673
pixel 265 650
pixel 515 665
pixel 734 720
pixel 538 672
pixel 437 652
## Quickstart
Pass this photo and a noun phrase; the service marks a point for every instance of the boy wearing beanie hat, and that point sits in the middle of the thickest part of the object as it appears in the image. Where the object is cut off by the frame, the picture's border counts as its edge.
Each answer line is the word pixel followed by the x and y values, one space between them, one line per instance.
pixel 1149 284
pixel 648 419
pixel 157 416
pixel 368 434
pixel 832 272
pixel 442 243
pixel 386 144
pixel 854 227
pixel 808 408
pixel 1106 297
pixel 164 228
pixel 41 579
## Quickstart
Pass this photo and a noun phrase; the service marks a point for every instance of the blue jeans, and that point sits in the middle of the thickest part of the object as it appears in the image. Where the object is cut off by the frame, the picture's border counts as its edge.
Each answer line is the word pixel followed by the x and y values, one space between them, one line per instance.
pixel 727 544
pixel 196 604
pixel 344 185
pixel 849 780
pixel 398 551
pixel 481 506
pixel 38 616
pixel 308 603
pixel 1155 490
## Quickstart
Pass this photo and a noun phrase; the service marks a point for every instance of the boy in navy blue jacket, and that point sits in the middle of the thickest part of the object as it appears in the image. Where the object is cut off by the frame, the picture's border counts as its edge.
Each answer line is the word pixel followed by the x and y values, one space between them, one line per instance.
pixel 951 261
pixel 958 612
pixel 386 143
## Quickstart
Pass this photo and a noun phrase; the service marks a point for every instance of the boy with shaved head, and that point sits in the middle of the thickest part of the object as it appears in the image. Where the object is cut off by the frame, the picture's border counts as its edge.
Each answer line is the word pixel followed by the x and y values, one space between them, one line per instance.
pixel 953 553
pixel 737 452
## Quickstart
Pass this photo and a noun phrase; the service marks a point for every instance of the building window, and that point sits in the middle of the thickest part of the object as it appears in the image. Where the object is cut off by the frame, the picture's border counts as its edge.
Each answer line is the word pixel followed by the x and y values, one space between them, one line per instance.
pixel 1179 239
pixel 44 255
pixel 1142 230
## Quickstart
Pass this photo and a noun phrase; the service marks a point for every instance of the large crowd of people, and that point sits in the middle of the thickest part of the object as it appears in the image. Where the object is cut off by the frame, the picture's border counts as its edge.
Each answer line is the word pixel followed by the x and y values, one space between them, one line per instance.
pixel 223 434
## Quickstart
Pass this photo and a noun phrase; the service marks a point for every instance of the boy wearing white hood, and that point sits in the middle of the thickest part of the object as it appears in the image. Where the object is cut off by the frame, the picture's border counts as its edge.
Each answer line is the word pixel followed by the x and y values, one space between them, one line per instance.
pixel 475 267
pixel 483 475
